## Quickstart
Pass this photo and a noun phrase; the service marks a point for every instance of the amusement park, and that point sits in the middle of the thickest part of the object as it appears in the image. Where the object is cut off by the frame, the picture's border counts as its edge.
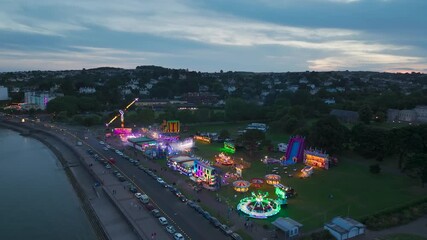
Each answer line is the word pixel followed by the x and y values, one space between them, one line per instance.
pixel 258 189
pixel 295 184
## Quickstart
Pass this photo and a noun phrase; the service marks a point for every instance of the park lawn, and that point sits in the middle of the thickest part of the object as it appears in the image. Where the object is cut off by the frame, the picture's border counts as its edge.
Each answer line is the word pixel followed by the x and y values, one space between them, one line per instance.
pixel 348 189
pixel 403 236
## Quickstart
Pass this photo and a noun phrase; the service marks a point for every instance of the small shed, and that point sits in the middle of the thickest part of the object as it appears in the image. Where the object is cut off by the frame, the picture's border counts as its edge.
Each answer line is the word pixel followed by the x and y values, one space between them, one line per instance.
pixel 345 228
pixel 288 226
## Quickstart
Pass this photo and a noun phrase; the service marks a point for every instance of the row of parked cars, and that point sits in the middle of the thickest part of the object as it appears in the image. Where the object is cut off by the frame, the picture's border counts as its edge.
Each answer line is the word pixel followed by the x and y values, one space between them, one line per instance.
pixel 214 221
pixel 143 198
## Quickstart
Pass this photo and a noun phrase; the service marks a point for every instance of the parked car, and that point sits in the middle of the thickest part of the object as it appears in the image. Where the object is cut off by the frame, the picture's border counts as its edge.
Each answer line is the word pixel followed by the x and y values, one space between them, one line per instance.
pixel 182 198
pixel 178 236
pixel 133 189
pixel 163 221
pixel 214 222
pixel 112 160
pixel 144 199
pixel 170 229
pixel 207 215
pixel 225 229
pixel 155 212
pixel 160 180
pixel 149 206
pixel 101 142
pixel 138 195
pixel 236 236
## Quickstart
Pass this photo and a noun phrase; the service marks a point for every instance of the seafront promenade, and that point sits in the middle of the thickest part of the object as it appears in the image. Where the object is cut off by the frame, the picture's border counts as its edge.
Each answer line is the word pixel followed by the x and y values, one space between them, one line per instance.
pixel 113 216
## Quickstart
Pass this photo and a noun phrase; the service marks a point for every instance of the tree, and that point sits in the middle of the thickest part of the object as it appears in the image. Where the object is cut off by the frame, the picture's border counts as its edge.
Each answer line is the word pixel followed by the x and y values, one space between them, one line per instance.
pixel 416 167
pixel 329 134
pixel 375 168
pixel 370 142
pixel 251 139
pixel 68 104
pixel 365 114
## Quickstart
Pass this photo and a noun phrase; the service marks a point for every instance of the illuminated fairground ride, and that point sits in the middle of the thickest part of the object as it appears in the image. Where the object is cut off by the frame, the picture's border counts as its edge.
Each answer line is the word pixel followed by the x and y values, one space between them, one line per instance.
pixel 241 185
pixel 121 114
pixel 258 205
pixel 224 159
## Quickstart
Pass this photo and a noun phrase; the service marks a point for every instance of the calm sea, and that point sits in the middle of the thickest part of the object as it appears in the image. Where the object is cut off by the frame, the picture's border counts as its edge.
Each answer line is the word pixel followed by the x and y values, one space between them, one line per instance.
pixel 36 199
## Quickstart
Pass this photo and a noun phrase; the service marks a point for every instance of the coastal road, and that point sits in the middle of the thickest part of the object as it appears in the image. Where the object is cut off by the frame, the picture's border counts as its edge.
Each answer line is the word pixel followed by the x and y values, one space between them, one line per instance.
pixel 187 221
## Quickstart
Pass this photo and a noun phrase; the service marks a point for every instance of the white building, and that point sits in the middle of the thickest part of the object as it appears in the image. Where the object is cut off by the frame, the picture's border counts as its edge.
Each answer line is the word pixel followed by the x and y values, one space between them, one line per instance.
pixel 3 93
pixel 416 115
pixel 87 90
pixel 290 227
pixel 345 228
pixel 38 100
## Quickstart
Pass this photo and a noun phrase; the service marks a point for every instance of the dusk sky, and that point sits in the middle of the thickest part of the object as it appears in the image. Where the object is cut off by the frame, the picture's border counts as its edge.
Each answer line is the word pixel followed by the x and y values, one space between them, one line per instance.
pixel 201 35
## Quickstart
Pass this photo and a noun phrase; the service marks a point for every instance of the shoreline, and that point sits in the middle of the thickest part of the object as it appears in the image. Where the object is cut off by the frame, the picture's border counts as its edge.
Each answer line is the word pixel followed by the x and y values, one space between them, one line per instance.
pixel 90 213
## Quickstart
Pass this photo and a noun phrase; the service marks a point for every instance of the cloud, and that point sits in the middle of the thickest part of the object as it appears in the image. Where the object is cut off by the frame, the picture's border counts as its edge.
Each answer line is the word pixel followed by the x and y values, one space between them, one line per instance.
pixel 363 60
pixel 76 57
pixel 324 48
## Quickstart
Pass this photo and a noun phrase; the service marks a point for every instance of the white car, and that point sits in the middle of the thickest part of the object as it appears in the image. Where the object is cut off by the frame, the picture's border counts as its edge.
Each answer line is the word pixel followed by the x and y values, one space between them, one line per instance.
pixel 106 149
pixel 160 180
pixel 101 142
pixel 163 221
pixel 170 229
pixel 138 195
pixel 178 236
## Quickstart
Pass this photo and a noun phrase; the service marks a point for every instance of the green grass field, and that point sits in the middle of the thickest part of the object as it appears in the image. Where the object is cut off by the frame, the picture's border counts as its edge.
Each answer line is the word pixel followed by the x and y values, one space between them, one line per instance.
pixel 348 189
pixel 402 237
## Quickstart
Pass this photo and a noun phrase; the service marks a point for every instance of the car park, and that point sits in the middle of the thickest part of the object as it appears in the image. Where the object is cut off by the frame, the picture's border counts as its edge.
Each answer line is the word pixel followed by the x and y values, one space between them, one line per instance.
pixel 163 221
pixel 170 229
pixel 178 236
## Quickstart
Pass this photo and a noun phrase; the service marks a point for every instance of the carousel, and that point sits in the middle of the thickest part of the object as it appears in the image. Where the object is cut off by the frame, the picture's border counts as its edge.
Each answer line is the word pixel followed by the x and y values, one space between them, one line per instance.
pixel 241 186
pixel 272 179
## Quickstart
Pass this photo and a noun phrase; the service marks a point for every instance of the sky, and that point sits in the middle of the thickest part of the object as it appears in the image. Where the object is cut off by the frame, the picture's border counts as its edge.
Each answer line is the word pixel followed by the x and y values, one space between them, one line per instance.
pixel 214 35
